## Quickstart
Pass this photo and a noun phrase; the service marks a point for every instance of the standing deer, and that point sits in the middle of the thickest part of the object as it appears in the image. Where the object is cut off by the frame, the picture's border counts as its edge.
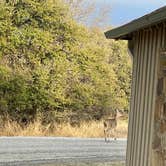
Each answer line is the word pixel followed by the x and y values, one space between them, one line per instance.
pixel 110 125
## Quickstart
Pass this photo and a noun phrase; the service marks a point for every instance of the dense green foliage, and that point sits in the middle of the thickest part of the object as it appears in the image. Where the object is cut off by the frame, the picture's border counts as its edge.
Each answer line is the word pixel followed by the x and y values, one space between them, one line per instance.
pixel 50 66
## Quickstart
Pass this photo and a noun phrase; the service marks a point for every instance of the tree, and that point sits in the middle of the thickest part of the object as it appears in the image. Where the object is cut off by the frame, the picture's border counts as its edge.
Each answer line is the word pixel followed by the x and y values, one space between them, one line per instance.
pixel 53 66
pixel 90 13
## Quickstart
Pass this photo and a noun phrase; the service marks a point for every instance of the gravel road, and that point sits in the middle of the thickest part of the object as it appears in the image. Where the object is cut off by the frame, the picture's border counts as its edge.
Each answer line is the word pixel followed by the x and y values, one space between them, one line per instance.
pixel 27 151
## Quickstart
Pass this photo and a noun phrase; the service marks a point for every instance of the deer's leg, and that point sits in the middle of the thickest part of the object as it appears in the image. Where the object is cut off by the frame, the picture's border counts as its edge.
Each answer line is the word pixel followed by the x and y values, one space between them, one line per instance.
pixel 109 135
pixel 114 134
pixel 105 135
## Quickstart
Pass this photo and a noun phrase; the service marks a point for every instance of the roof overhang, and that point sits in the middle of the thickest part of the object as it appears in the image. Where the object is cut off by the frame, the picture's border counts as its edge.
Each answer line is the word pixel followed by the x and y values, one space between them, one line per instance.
pixel 125 32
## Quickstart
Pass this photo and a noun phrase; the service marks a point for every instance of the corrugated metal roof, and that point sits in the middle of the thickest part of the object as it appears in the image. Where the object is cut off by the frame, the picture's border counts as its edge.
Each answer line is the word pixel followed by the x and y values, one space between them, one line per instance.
pixel 124 32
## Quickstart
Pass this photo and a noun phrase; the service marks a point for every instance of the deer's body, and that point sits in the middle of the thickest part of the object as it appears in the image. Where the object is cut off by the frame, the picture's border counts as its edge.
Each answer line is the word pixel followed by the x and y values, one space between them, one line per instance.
pixel 110 125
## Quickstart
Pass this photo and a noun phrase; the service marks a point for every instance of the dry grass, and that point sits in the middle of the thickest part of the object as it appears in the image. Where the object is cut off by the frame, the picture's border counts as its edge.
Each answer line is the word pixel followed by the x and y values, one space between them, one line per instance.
pixel 89 129
pixel 87 164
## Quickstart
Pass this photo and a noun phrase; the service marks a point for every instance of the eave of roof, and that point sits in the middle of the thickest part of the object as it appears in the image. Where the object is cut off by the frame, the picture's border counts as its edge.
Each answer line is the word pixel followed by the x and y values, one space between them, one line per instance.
pixel 124 32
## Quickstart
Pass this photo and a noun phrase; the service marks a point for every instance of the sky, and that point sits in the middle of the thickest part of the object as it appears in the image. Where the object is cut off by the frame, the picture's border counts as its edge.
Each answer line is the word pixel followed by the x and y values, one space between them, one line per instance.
pixel 123 11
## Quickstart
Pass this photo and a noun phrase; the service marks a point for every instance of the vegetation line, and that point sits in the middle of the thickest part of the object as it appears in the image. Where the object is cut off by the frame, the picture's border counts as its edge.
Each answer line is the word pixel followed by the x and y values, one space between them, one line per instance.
pixel 85 130
pixel 58 70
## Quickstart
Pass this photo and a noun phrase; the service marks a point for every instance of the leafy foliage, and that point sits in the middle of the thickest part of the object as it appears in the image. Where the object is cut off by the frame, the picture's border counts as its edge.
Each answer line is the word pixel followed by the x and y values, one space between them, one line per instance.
pixel 52 66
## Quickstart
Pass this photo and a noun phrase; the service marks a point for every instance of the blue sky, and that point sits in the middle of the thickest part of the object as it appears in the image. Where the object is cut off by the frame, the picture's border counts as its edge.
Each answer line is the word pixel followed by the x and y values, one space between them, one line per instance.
pixel 123 11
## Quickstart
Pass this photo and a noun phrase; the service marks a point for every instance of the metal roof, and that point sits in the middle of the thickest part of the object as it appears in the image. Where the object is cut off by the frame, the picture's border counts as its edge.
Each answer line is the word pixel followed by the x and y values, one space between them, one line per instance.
pixel 124 31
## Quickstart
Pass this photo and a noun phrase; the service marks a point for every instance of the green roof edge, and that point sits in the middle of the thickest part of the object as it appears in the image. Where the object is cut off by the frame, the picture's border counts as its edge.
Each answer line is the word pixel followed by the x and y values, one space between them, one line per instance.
pixel 123 31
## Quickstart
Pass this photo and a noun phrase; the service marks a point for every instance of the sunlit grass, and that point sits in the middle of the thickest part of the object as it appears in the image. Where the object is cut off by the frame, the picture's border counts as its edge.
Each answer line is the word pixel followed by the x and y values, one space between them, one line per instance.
pixel 90 129
pixel 86 164
pixel 86 129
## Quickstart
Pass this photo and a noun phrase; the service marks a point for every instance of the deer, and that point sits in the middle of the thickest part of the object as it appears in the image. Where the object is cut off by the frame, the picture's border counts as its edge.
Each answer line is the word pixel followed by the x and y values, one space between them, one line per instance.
pixel 110 125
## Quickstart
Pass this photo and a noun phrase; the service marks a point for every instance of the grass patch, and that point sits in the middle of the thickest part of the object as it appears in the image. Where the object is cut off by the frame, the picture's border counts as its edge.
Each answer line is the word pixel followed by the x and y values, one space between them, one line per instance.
pixel 86 129
pixel 86 164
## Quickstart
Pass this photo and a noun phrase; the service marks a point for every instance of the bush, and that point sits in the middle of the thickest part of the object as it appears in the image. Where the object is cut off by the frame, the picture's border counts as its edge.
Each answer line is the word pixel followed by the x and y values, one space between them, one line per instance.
pixel 55 67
